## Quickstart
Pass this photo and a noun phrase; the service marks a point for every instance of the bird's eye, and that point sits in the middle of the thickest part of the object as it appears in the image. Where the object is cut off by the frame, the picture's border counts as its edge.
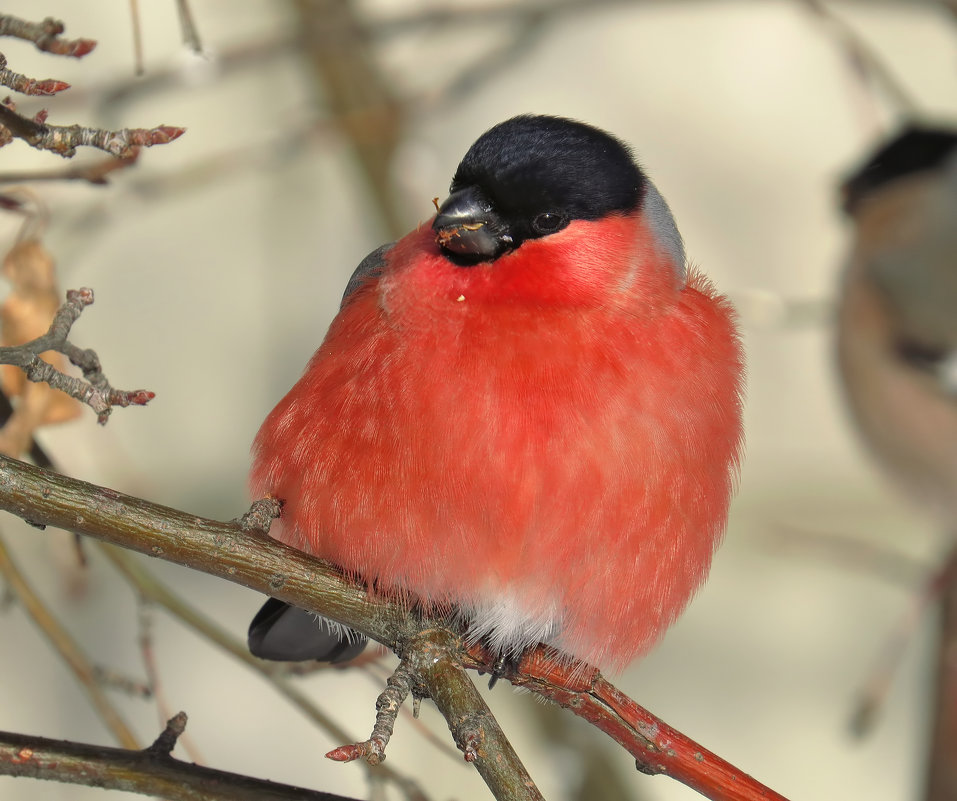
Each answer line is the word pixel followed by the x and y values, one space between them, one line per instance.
pixel 549 222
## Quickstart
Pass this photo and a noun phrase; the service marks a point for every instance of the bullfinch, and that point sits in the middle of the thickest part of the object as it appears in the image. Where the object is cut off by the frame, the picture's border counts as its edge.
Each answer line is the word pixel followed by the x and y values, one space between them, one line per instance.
pixel 897 315
pixel 526 414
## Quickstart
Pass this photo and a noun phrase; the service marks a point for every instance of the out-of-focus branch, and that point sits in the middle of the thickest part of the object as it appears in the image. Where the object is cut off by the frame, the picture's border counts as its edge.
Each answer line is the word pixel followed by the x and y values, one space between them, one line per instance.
pixel 932 591
pixel 941 765
pixel 68 649
pixel 96 173
pixel 351 85
pixel 151 589
pixel 45 35
pixel 188 26
pixel 863 60
pixel 235 553
pixel 151 771
pixel 94 389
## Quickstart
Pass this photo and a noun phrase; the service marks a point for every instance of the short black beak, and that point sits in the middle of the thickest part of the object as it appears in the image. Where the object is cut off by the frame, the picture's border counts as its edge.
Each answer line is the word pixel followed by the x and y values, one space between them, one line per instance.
pixel 468 229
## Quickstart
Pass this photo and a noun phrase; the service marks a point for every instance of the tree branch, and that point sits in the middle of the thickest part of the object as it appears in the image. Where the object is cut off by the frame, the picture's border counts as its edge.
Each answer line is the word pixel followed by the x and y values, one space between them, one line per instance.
pixel 65 139
pixel 68 649
pixel 151 589
pixel 151 771
pixel 94 390
pixel 28 86
pixel 45 35
pixel 232 552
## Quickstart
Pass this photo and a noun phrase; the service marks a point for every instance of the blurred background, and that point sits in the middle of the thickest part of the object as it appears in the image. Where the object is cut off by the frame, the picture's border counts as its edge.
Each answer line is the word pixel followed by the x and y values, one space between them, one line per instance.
pixel 316 131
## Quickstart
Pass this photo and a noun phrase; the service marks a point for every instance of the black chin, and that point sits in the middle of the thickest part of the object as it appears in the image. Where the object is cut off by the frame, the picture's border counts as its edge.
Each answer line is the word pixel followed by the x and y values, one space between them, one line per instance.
pixel 470 259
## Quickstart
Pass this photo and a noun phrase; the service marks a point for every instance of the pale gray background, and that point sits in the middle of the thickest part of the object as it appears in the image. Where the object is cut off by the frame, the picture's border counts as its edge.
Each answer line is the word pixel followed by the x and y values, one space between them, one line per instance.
pixel 214 294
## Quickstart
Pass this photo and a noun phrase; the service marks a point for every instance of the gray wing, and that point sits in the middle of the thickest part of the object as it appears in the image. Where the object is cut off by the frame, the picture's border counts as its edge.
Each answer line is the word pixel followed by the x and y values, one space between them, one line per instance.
pixel 285 633
pixel 372 266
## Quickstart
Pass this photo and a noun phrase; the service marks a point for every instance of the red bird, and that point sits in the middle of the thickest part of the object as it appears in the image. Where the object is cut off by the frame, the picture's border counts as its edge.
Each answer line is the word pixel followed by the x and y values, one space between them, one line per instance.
pixel 528 411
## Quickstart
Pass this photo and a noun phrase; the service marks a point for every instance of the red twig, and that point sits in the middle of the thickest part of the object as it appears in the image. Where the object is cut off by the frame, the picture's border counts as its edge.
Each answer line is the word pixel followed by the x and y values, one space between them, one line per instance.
pixel 656 746
pixel 28 86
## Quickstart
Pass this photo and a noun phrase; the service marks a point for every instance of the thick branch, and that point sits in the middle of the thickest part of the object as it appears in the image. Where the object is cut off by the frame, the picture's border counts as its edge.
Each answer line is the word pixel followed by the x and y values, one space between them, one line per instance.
pixel 220 549
pixel 475 730
pixel 151 771
pixel 227 550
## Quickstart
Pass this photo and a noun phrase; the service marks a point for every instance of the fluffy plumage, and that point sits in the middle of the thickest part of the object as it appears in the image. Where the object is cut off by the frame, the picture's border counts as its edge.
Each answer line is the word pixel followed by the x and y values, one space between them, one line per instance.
pixel 537 429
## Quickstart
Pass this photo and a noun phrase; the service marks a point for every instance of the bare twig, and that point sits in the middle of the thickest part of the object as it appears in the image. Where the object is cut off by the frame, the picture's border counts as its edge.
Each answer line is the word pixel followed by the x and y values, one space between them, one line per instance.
pixel 123 683
pixel 45 35
pixel 65 139
pixel 863 60
pixel 67 648
pixel 263 564
pixel 871 698
pixel 95 173
pixel 94 390
pixel 136 25
pixel 188 26
pixel 151 771
pixel 431 659
pixel 151 589
pixel 28 86
pixel 657 748
pixel 390 700
pixel 516 13
pixel 497 61
pixel 351 84
pixel 148 655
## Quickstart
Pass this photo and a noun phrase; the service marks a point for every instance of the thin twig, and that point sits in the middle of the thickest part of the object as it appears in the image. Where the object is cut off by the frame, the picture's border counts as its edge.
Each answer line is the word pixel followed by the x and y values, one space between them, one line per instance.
pixel 390 700
pixel 45 35
pixel 864 60
pixel 145 640
pixel 934 588
pixel 67 648
pixel 94 389
pixel 65 139
pixel 28 86
pixel 95 173
pixel 136 25
pixel 188 26
pixel 151 589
